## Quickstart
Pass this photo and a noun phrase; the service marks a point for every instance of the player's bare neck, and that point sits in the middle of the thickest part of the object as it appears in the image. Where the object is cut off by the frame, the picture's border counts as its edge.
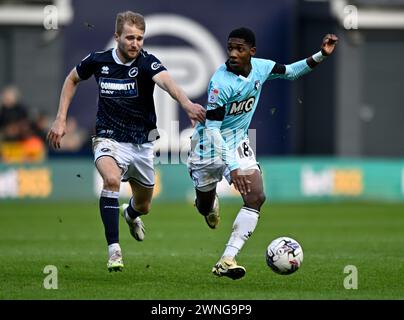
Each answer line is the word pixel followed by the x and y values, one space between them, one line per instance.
pixel 243 71
pixel 246 71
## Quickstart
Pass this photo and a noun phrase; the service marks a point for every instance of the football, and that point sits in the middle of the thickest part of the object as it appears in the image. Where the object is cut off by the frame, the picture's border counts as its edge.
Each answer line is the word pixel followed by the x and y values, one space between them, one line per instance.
pixel 284 255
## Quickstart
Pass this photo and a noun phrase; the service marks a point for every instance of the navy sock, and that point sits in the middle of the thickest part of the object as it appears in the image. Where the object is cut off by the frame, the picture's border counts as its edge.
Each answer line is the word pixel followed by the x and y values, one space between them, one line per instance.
pixel 109 209
pixel 132 212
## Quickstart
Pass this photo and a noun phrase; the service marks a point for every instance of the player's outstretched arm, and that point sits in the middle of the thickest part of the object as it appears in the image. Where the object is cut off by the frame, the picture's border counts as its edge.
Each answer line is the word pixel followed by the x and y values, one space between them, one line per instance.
pixel 327 48
pixel 194 111
pixel 58 128
pixel 297 69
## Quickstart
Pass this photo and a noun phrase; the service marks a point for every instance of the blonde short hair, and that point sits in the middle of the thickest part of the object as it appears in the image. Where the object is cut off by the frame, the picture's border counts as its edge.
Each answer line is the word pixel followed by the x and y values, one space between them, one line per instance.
pixel 130 17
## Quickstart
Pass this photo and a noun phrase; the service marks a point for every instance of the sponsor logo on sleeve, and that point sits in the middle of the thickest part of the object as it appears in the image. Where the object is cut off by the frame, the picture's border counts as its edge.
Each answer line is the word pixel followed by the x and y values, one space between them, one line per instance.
pixel 156 65
pixel 213 95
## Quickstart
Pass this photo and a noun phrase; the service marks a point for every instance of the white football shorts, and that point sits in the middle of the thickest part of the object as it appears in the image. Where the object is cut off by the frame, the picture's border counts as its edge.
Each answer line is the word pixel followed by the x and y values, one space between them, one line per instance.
pixel 135 160
pixel 206 173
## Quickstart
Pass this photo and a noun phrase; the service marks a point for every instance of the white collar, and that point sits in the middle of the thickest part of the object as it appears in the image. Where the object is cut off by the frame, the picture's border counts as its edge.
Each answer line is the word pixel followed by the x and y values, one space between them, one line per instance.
pixel 244 78
pixel 118 61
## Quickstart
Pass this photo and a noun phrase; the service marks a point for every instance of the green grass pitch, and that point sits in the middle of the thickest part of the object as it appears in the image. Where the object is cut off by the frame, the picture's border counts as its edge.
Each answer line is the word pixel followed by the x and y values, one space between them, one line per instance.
pixel 175 260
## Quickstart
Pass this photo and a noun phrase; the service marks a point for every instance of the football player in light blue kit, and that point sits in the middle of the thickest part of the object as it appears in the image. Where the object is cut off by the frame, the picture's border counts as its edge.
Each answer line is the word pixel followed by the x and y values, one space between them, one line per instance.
pixel 220 147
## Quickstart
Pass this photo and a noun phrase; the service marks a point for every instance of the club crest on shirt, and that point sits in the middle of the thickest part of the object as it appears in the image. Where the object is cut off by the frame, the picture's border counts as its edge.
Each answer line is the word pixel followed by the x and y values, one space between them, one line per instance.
pixel 133 72
pixel 213 95
pixel 257 85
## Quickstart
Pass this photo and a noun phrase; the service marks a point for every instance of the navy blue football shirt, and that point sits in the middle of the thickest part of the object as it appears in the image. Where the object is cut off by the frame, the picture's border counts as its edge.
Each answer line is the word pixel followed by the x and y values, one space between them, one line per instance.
pixel 126 111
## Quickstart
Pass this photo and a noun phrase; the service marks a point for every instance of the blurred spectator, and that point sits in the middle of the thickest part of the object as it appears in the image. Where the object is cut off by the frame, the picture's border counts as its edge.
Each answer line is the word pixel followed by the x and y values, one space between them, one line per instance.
pixel 41 124
pixel 14 121
pixel 23 138
pixel 18 142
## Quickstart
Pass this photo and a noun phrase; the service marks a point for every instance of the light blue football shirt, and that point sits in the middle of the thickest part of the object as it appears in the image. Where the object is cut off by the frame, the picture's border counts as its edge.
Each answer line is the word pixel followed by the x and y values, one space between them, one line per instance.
pixel 239 96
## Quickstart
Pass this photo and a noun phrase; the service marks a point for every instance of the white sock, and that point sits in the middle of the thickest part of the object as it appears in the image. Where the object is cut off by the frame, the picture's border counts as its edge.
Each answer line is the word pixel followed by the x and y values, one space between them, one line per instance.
pixel 112 248
pixel 243 227
pixel 110 194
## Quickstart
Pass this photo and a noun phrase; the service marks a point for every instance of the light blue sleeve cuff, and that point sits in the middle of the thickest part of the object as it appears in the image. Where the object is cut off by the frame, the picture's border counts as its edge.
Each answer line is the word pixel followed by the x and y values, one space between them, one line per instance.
pixel 297 69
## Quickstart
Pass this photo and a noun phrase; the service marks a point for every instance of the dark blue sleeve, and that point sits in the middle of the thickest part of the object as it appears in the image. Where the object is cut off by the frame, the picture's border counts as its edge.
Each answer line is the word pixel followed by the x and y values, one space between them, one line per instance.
pixel 153 66
pixel 86 68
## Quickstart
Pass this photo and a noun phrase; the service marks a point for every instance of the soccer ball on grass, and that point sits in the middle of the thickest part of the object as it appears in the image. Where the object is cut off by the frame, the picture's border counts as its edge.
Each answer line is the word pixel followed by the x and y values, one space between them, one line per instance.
pixel 284 255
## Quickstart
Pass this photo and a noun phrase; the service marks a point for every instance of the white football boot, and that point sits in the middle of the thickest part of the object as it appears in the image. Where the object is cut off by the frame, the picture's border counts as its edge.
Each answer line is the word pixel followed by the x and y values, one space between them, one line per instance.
pixel 227 266
pixel 136 226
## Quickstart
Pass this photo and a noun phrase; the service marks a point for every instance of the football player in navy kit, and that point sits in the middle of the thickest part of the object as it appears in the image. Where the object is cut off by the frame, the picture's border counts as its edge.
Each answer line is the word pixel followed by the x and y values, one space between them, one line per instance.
pixel 125 124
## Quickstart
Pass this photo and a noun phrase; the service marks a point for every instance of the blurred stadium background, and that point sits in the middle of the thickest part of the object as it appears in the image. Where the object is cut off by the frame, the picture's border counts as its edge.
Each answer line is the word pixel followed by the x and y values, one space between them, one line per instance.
pixel 330 144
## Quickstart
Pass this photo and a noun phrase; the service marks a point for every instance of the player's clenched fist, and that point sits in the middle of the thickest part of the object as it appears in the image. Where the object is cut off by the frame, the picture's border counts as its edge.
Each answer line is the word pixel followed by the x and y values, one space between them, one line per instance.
pixel 329 43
